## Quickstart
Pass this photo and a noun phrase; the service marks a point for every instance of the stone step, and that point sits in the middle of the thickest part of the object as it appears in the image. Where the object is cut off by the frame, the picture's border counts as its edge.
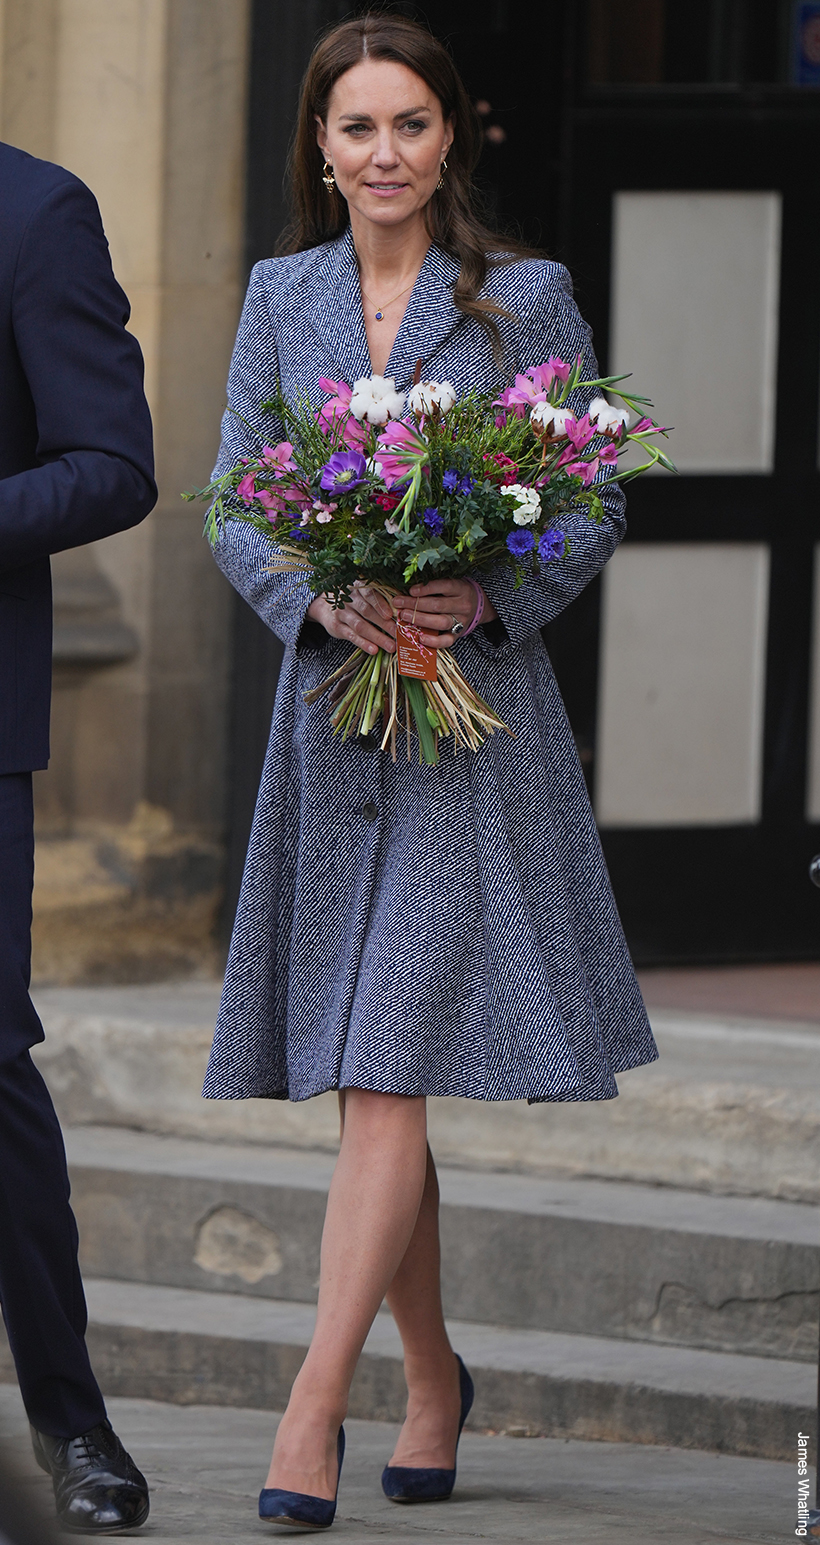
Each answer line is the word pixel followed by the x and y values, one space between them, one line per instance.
pixel 579 1257
pixel 732 1107
pixel 175 1344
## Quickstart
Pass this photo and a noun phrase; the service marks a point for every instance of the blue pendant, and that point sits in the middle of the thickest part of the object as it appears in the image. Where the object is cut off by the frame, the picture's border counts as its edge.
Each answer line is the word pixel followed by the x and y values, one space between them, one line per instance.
pixel 379 316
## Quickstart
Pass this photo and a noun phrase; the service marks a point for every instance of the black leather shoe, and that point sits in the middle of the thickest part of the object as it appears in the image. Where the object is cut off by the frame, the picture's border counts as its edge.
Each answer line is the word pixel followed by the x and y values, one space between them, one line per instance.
pixel 97 1487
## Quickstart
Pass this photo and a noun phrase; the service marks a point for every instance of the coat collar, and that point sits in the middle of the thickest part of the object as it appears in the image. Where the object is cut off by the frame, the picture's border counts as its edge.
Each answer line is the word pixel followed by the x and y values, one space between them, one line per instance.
pixel 339 321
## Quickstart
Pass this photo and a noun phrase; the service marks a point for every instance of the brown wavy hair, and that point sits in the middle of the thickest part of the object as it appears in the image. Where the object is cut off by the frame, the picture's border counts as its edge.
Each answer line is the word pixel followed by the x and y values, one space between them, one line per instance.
pixel 453 216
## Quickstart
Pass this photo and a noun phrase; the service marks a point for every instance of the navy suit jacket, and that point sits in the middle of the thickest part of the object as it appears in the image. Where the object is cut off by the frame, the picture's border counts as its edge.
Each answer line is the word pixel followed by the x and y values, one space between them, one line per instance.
pixel 76 460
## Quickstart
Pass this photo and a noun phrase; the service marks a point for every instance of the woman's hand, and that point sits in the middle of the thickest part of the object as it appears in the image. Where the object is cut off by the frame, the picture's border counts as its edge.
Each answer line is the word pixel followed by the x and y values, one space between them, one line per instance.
pixel 366 621
pixel 435 607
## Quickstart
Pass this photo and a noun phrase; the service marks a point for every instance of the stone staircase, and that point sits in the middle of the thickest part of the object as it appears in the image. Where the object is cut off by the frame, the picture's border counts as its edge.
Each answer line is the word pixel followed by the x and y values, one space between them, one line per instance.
pixel 587 1305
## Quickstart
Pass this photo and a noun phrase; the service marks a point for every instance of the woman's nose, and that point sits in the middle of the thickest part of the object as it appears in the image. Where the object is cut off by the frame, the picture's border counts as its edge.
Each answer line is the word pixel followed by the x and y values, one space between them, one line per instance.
pixel 386 153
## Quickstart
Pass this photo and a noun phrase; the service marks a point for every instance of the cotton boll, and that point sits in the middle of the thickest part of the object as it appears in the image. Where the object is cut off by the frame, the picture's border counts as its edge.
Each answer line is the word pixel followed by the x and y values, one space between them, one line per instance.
pixel 376 399
pixel 422 398
pixel 428 396
pixel 608 419
pixel 446 396
pixel 551 419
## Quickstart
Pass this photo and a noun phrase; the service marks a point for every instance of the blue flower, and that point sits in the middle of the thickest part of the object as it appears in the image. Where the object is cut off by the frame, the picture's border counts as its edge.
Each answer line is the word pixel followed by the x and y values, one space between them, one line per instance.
pixel 450 481
pixel 466 485
pixel 344 471
pixel 520 542
pixel 299 534
pixel 551 545
pixel 433 521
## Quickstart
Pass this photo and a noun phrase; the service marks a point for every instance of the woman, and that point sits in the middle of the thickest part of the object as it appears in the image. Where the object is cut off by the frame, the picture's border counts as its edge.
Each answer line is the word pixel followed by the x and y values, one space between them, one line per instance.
pixel 406 931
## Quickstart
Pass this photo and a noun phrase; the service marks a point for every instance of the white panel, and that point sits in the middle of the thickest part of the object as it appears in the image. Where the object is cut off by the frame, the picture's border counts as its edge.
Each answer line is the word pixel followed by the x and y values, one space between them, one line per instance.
pixel 813 796
pixel 695 282
pixel 680 723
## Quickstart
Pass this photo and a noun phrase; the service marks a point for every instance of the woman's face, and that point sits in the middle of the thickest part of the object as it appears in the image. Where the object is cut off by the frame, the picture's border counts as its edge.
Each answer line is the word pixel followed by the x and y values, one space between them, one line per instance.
pixel 386 138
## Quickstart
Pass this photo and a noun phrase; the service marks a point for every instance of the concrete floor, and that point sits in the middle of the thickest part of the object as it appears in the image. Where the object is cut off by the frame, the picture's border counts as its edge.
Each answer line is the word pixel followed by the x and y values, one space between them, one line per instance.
pixel 205 1465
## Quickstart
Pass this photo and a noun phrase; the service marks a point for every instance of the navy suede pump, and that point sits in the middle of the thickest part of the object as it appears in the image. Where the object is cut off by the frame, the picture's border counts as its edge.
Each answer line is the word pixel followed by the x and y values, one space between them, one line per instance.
pixel 405 1483
pixel 294 1509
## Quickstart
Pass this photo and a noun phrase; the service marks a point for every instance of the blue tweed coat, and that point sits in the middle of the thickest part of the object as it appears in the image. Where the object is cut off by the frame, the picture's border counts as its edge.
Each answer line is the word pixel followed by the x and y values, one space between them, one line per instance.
pixel 439 931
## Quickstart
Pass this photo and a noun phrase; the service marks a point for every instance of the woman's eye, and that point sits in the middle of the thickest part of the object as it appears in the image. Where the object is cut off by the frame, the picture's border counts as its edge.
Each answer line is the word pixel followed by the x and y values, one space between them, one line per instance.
pixel 415 124
pixel 356 129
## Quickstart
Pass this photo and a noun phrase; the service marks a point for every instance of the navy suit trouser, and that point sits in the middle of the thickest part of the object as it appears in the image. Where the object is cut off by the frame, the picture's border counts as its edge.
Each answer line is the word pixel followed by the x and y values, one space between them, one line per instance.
pixel 41 1290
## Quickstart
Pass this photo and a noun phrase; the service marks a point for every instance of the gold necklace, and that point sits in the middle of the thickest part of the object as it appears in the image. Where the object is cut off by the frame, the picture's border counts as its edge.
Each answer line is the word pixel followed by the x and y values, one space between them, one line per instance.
pixel 380 310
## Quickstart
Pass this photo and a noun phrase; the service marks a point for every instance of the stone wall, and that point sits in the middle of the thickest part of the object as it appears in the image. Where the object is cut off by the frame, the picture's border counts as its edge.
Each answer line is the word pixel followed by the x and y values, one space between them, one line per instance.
pixel 146 101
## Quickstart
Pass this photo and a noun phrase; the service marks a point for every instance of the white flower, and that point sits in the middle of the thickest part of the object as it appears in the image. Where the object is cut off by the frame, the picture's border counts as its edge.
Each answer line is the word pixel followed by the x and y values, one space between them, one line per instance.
pixel 375 468
pixel 391 526
pixel 550 418
pixel 528 503
pixel 376 399
pixel 608 419
pixel 429 395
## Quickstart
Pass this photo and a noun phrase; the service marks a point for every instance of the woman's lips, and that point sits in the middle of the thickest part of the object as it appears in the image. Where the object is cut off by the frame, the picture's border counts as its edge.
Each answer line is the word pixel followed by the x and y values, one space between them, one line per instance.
pixel 386 189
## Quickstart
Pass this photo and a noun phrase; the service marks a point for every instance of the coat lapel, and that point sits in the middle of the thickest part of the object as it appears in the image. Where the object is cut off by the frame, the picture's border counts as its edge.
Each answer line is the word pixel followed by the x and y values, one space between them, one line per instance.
pixel 338 320
pixel 429 319
pixel 337 315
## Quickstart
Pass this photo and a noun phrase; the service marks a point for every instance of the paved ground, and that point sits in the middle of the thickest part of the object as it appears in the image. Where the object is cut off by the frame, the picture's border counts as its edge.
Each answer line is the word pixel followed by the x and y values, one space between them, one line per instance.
pixel 204 1465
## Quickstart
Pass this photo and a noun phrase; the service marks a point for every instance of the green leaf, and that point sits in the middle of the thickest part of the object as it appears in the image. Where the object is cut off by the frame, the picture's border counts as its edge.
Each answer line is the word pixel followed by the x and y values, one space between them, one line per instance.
pixel 418 704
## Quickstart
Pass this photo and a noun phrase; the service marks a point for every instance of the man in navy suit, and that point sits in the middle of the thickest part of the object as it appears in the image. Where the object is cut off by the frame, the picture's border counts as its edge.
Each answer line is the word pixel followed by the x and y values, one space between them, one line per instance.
pixel 76 464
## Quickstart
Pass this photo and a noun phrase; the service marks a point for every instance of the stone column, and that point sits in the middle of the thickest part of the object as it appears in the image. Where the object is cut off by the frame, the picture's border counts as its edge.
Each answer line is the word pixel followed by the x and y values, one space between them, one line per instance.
pixel 146 101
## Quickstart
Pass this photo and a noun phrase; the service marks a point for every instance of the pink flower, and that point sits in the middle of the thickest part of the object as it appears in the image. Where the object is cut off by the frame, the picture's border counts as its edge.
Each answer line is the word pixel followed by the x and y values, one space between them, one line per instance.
pixel 339 392
pixel 246 489
pixel 648 426
pixel 533 386
pixel 503 469
pixel 609 456
pixel 271 504
pixel 337 411
pixel 579 431
pixel 324 512
pixel 511 402
pixel 558 368
pixel 400 449
pixel 279 458
pixel 275 501
pixel 394 470
pixel 527 392
pixel 585 470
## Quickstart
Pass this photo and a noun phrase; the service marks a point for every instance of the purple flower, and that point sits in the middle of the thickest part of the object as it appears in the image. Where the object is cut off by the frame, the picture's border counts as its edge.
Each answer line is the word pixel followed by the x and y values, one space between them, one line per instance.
pixel 520 542
pixel 551 545
pixel 345 470
pixel 450 481
pixel 433 521
pixel 466 485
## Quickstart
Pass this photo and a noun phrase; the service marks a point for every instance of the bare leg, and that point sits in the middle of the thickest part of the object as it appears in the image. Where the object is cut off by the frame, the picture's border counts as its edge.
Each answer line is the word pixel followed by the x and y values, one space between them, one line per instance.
pixel 372 1209
pixel 428 1437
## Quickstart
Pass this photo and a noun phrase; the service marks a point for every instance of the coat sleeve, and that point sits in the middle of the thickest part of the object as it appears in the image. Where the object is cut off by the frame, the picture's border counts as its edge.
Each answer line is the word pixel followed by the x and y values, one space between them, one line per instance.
pixel 555 327
pixel 85 375
pixel 243 553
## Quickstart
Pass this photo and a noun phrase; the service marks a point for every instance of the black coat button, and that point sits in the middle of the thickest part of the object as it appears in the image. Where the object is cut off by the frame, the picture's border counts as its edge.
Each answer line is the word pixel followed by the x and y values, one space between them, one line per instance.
pixel 369 811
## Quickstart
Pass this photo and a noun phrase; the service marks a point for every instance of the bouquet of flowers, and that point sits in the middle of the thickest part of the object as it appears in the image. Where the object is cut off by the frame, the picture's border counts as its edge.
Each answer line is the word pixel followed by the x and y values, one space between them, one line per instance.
pixel 456 487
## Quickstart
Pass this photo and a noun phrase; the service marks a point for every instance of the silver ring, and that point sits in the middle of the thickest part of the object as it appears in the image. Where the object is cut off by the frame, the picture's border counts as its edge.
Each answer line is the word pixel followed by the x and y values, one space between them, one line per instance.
pixel 458 627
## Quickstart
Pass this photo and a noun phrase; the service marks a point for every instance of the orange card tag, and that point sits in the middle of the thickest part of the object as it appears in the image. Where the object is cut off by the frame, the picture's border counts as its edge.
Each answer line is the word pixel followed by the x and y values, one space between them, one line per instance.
pixel 414 658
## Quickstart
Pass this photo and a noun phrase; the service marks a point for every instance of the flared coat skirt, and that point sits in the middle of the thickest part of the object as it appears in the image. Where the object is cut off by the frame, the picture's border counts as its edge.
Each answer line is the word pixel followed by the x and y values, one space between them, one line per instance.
pixel 427 931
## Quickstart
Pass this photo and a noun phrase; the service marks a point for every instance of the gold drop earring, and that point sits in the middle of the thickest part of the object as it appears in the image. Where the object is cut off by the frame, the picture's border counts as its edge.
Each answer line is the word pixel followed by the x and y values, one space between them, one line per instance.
pixel 442 170
pixel 327 176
